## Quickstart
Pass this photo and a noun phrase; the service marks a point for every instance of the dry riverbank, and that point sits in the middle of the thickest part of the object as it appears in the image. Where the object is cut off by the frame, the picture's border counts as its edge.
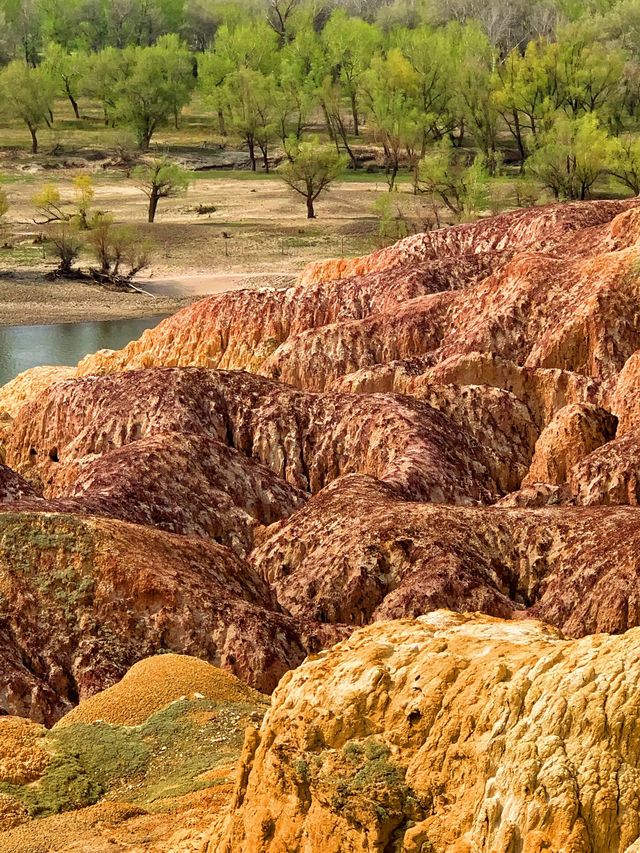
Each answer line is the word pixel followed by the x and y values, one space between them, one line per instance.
pixel 33 301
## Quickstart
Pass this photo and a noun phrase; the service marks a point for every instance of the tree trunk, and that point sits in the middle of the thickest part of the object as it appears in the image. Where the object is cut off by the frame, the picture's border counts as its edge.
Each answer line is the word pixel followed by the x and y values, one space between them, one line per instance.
pixel 345 142
pixel 222 128
pixel 354 113
pixel 153 205
pixel 393 171
pixel 74 103
pixel 265 159
pixel 327 121
pixel 252 152
pixel 34 140
pixel 311 214
pixel 517 132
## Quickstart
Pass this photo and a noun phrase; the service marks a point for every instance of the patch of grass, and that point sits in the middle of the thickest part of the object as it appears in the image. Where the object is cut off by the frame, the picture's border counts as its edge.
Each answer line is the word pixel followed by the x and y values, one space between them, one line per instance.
pixel 189 740
pixel 88 760
pixel 349 176
pixel 169 755
pixel 368 786
pixel 231 174
pixel 66 579
pixel 21 255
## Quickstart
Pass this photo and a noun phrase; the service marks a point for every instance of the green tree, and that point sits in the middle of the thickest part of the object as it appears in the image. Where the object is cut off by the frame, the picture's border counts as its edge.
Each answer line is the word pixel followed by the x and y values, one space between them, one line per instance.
pixel 23 28
pixel 84 195
pixel 49 204
pixel 391 92
pixel 250 107
pixel 281 15
pixel 330 95
pixel 298 78
pixel 572 156
pixel 349 44
pixel 474 84
pixel 310 170
pixel 526 93
pixel 28 94
pixel 429 52
pixel 156 88
pixel 66 70
pixel 625 161
pixel 587 73
pixel 248 45
pixel 236 47
pixel 450 178
pixel 105 77
pixel 120 252
pixel 178 70
pixel 158 180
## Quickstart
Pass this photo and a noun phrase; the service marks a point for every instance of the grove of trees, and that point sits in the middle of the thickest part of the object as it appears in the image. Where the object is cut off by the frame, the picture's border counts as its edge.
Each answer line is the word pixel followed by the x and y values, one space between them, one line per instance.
pixel 449 90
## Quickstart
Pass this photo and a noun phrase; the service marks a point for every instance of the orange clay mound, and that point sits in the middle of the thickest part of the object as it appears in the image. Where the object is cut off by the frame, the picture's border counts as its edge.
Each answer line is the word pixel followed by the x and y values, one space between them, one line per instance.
pixel 153 683
pixel 22 756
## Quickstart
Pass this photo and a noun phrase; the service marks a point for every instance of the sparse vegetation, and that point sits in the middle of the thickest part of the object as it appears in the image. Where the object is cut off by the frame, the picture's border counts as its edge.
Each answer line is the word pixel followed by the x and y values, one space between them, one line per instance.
pixel 160 179
pixel 310 170
pixel 66 246
pixel 119 251
pixel 474 108
pixel 449 178
pixel 169 755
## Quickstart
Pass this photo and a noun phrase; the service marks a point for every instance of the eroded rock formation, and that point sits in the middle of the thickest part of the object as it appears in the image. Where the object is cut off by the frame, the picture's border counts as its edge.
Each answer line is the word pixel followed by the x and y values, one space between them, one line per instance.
pixel 449 733
pixel 447 292
pixel 356 553
pixel 84 598
pixel 452 422
pixel 306 439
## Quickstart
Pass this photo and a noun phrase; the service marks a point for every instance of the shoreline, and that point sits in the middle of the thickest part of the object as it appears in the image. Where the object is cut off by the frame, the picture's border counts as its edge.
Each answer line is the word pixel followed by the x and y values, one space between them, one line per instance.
pixel 29 300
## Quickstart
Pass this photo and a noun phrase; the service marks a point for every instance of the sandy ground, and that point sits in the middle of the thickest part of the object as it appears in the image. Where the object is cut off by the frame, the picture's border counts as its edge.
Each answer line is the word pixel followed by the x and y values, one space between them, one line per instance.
pixel 256 235
pixel 206 284
pixel 33 302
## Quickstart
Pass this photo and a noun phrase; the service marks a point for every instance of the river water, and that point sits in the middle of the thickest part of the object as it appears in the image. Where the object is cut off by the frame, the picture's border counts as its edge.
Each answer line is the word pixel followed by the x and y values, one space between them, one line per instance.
pixel 22 347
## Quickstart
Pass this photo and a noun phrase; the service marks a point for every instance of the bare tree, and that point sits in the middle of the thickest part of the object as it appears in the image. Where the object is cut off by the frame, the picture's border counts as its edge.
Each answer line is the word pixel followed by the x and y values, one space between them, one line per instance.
pixel 279 17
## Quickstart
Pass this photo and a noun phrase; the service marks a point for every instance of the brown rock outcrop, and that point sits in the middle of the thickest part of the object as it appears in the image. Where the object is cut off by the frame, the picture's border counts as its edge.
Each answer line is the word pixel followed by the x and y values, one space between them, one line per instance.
pixel 585 321
pixel 447 292
pixel 83 599
pixel 356 553
pixel 449 733
pixel 13 486
pixel 27 385
pixel 574 433
pixel 544 391
pixel 181 483
pixel 306 439
pixel 625 402
pixel 241 330
pixel 543 227
pixel 537 495
pixel 610 475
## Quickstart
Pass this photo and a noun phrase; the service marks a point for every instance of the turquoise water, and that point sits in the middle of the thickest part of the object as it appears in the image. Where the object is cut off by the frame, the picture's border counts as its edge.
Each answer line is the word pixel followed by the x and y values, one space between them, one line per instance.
pixel 22 347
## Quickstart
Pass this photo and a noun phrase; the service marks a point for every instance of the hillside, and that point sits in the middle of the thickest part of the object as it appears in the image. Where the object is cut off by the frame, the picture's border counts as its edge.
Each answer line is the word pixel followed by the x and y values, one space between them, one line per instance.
pixel 450 424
